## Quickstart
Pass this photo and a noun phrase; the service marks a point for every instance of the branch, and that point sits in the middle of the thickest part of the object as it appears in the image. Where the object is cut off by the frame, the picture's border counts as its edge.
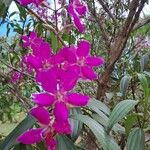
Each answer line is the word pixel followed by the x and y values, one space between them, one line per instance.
pixel 15 92
pixel 141 23
pixel 107 10
pixel 119 43
pixel 101 26
pixel 46 25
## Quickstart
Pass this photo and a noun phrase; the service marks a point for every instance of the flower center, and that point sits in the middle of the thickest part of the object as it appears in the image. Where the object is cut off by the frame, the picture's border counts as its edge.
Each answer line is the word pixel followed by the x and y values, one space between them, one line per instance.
pixel 81 61
pixel 46 65
pixel 59 96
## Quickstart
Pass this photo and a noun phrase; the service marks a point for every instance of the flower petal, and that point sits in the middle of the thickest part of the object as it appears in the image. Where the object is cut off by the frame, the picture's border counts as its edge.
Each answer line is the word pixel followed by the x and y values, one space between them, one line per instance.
pixel 76 19
pixel 43 50
pixel 69 79
pixel 50 142
pixel 88 73
pixel 48 80
pixel 78 23
pixel 81 9
pixel 43 99
pixel 77 99
pixel 31 136
pixel 61 112
pixel 68 53
pixel 83 48
pixel 33 61
pixel 62 127
pixel 41 114
pixel 94 61
pixel 25 2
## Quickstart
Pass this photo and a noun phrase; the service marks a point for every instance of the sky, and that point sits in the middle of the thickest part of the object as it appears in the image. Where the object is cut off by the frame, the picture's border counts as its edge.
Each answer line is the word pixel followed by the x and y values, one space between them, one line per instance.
pixel 13 8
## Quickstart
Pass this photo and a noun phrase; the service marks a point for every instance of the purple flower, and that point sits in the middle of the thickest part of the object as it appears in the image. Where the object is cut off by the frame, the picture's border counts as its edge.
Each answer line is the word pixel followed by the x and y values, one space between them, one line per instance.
pixel 76 9
pixel 45 133
pixel 26 2
pixel 80 60
pixel 15 76
pixel 57 84
pixel 32 40
pixel 40 59
pixel 86 62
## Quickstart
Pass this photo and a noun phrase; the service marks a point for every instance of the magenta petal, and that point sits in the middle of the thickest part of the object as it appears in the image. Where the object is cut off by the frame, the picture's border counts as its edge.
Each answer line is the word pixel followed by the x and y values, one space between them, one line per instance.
pixel 43 99
pixel 31 136
pixel 81 9
pixel 83 48
pixel 76 18
pixel 33 61
pixel 50 142
pixel 62 127
pixel 47 80
pixel 70 9
pixel 25 2
pixel 43 51
pixel 88 73
pixel 79 24
pixel 68 53
pixel 61 112
pixel 33 34
pixel 25 38
pixel 69 80
pixel 77 99
pixel 41 114
pixel 94 61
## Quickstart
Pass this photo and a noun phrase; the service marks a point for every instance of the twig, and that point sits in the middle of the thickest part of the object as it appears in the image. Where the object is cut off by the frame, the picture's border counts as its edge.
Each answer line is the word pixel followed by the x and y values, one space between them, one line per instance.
pixel 107 10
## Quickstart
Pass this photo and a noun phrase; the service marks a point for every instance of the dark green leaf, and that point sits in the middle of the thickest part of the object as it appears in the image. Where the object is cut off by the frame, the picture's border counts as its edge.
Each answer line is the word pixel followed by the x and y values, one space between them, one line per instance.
pixel 23 147
pixel 120 111
pixel 4 5
pixel 54 42
pixel 103 120
pixel 124 83
pixel 95 104
pixel 136 140
pixel 144 84
pixel 10 140
pixel 129 122
pixel 105 140
pixel 64 143
pixel 144 62
pixel 75 124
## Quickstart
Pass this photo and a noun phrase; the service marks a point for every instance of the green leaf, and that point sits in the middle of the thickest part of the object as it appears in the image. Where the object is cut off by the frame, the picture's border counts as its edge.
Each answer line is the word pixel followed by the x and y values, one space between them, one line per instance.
pixel 4 5
pixel 120 111
pixel 105 140
pixel 54 42
pixel 101 109
pixel 64 143
pixel 95 104
pixel 144 84
pixel 124 83
pixel 136 140
pixel 129 122
pixel 75 124
pixel 103 120
pixel 144 62
pixel 23 147
pixel 10 140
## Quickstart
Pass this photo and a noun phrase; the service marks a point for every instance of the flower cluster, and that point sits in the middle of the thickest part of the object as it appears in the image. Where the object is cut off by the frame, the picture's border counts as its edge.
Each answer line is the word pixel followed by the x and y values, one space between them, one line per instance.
pixel 57 74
